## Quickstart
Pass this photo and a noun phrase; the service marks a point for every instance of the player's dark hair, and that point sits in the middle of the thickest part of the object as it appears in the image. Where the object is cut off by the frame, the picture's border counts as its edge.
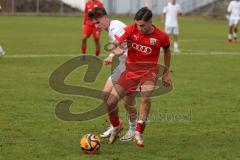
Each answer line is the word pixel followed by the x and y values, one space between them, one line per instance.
pixel 97 12
pixel 144 14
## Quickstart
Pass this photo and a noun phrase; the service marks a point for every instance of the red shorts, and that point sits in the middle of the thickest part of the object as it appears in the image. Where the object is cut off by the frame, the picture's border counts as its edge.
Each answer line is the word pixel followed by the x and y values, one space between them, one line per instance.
pixel 130 81
pixel 89 29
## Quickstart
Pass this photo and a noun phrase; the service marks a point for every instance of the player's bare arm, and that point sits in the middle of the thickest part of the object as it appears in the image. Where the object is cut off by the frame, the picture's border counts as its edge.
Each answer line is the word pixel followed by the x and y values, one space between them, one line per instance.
pixel 167 59
pixel 109 59
pixel 118 50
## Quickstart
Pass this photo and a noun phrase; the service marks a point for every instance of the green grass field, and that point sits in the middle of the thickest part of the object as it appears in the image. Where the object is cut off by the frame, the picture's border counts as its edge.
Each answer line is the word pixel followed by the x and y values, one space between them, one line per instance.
pixel 206 91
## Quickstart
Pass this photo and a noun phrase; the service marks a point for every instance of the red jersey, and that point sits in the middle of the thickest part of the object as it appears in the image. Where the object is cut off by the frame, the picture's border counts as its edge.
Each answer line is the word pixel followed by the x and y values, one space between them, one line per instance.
pixel 144 48
pixel 88 7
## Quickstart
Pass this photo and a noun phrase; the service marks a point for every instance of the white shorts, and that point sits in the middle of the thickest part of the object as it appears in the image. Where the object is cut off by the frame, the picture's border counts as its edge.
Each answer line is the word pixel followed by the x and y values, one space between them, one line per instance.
pixel 233 22
pixel 172 30
pixel 117 72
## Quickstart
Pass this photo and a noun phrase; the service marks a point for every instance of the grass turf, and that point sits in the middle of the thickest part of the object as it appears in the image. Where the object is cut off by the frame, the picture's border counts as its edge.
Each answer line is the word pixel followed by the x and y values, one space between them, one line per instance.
pixel 206 93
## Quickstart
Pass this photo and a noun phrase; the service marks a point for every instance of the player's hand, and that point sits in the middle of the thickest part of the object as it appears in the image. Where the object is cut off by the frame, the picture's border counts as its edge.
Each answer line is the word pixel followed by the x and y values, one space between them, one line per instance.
pixel 167 82
pixel 108 60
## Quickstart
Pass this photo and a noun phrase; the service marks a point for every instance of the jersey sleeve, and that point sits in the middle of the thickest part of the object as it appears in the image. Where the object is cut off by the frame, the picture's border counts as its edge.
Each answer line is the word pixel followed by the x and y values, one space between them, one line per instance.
pixel 123 34
pixel 112 31
pixel 229 7
pixel 100 4
pixel 115 27
pixel 165 41
pixel 165 10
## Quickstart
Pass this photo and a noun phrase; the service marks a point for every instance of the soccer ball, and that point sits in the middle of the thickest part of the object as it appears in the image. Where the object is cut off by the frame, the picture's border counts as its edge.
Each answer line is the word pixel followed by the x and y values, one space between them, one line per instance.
pixel 90 143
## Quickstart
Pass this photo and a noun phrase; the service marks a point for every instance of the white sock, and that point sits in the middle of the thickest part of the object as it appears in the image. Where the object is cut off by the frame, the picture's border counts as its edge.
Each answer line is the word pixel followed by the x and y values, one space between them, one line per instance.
pixel 140 121
pixel 137 133
pixel 229 36
pixel 132 125
pixel 175 45
pixel 234 35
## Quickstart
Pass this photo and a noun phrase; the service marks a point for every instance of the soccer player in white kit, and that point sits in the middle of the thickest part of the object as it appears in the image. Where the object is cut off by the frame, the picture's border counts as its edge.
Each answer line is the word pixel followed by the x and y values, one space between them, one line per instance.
pixel 170 19
pixel 234 11
pixel 101 20
pixel 1 51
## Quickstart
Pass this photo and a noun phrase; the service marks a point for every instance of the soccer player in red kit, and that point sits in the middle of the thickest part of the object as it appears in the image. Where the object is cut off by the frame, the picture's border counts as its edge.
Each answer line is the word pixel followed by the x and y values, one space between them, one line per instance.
pixel 145 41
pixel 89 28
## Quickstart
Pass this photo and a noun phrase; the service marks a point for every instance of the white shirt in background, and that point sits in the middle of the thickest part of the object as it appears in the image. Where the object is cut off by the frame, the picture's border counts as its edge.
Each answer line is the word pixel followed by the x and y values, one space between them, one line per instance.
pixel 234 9
pixel 171 12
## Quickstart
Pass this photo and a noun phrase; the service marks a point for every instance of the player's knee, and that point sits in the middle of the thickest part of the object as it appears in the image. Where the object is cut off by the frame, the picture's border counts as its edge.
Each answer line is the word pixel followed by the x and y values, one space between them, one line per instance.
pixel 97 41
pixel 84 38
pixel 129 104
pixel 105 96
pixel 111 102
pixel 146 100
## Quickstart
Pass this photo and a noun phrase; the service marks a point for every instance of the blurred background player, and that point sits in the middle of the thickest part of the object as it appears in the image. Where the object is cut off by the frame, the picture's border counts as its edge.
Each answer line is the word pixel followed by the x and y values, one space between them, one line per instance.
pixel 170 19
pixel 101 20
pixel 234 17
pixel 89 28
pixel 142 69
pixel 1 51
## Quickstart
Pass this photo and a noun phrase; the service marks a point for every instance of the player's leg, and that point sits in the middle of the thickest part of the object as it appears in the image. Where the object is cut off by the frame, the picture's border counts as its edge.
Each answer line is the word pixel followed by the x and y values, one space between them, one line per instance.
pixel 106 92
pixel 129 104
pixel 146 92
pixel 230 35
pixel 87 31
pixel 96 36
pixel 123 86
pixel 1 51
pixel 117 93
pixel 175 38
pixel 168 30
pixel 231 28
pixel 175 44
pixel 235 30
pixel 84 44
pixel 173 31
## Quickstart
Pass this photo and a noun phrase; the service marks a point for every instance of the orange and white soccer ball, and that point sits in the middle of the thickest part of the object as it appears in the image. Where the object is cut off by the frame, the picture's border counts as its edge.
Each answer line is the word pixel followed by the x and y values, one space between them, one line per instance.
pixel 90 143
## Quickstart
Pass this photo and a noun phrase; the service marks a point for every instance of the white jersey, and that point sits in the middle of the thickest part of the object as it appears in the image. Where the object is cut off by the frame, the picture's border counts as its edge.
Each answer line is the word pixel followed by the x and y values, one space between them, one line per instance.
pixel 171 12
pixel 115 27
pixel 234 9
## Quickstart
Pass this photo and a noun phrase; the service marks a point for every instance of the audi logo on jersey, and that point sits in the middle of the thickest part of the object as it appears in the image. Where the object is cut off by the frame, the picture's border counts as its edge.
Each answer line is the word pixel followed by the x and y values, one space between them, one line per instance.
pixel 144 49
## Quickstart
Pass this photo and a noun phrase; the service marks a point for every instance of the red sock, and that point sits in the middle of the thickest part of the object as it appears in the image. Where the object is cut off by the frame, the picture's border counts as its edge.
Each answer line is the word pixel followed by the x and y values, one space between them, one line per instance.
pixel 83 50
pixel 114 120
pixel 97 51
pixel 140 127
